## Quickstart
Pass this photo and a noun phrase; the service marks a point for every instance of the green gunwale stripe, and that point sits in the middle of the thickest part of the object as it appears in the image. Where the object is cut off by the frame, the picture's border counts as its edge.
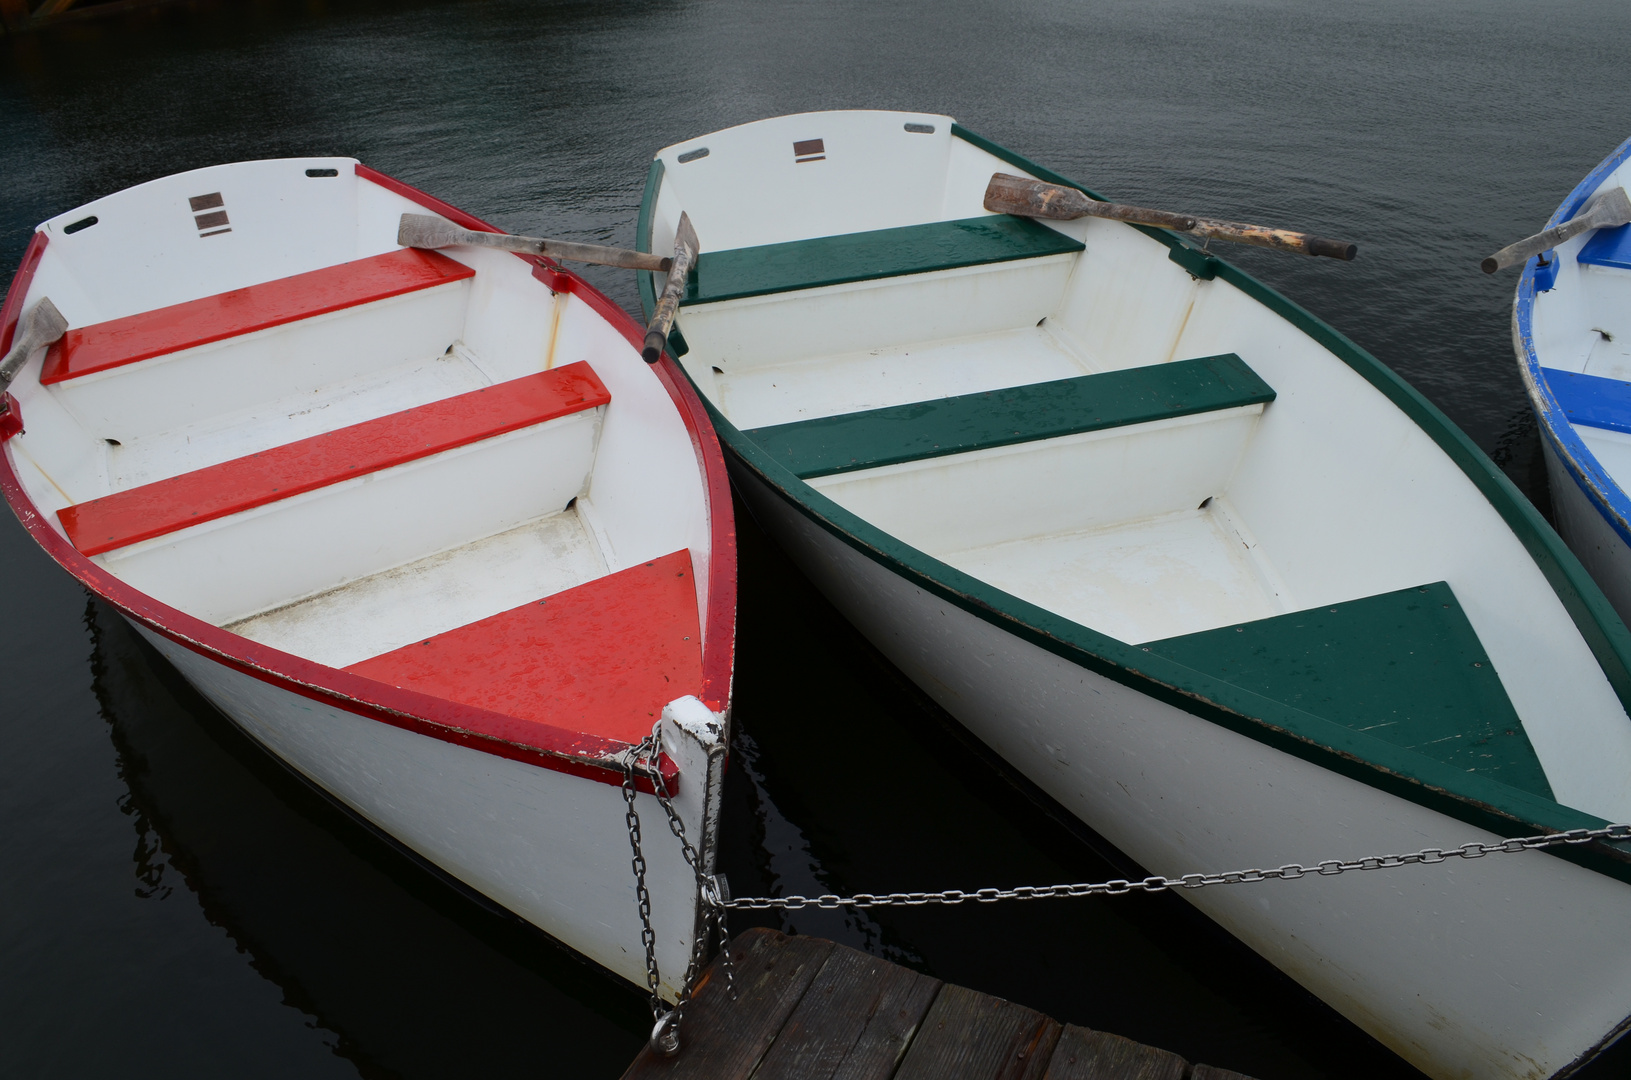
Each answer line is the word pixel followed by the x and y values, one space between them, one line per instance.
pixel 959 425
pixel 1479 801
pixel 867 256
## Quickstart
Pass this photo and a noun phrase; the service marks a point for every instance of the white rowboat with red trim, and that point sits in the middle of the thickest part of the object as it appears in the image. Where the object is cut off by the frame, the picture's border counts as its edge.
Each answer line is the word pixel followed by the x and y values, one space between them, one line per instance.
pixel 422 523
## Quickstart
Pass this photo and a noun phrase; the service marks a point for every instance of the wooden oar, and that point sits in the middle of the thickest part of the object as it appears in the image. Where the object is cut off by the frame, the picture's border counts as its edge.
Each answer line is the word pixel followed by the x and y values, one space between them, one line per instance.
pixel 1008 194
pixel 39 327
pixel 685 253
pixel 426 231
pixel 1608 210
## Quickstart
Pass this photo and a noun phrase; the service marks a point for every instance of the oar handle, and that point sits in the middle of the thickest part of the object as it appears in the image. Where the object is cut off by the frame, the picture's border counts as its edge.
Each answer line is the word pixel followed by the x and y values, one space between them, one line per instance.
pixel 1008 194
pixel 1513 254
pixel 662 319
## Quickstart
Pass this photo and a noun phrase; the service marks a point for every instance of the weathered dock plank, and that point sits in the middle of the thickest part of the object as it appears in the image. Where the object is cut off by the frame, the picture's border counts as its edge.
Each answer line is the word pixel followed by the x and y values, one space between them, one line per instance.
pixel 854 1023
pixel 974 1036
pixel 807 1009
pixel 725 1039
pixel 1085 1054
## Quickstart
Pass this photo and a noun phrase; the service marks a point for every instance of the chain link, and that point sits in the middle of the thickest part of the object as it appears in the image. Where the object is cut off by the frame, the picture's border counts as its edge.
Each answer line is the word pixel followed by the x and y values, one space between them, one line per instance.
pixel 710 890
pixel 1118 887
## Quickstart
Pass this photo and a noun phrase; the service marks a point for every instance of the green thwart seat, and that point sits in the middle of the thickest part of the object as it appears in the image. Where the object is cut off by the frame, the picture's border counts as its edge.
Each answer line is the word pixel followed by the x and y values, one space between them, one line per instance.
pixel 866 256
pixel 1405 667
pixel 958 425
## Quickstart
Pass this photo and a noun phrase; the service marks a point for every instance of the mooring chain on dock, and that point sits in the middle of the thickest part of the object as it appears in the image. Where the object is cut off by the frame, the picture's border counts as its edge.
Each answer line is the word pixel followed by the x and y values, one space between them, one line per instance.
pixel 711 896
pixel 1119 886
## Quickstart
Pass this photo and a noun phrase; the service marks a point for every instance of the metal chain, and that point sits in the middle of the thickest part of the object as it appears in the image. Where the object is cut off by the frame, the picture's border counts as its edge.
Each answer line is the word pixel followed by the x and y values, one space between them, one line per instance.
pixel 711 897
pixel 1118 887
pixel 631 817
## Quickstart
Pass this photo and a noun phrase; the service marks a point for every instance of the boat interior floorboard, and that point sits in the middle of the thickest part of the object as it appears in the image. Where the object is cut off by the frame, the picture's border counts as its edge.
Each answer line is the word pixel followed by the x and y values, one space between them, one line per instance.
pixel 390 609
pixel 830 385
pixel 366 397
pixel 1157 577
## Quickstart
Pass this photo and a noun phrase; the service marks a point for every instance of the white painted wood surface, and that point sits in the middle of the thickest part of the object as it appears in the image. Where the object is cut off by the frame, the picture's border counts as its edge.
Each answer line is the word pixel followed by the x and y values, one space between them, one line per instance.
pixel 1328 494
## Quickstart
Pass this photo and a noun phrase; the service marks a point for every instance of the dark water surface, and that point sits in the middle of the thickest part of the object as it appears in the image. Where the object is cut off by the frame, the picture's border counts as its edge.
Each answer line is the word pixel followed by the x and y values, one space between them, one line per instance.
pixel 173 904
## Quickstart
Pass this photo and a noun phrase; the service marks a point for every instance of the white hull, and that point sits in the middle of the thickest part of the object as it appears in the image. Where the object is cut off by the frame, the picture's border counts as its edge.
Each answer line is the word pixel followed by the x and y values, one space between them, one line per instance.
pixel 546 845
pixel 1585 528
pixel 1444 964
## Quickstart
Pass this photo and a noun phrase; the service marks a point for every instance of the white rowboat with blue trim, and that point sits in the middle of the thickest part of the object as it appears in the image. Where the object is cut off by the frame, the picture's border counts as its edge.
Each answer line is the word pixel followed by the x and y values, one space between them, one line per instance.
pixel 1571 328
pixel 1209 575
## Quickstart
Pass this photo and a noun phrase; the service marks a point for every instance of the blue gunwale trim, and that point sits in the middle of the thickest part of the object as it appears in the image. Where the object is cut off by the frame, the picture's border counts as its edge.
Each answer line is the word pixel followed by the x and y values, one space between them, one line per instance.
pixel 1478 801
pixel 1582 465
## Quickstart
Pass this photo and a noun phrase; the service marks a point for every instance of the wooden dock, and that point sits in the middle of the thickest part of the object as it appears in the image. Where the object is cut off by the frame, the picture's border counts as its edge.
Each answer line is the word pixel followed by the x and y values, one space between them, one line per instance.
pixel 809 1009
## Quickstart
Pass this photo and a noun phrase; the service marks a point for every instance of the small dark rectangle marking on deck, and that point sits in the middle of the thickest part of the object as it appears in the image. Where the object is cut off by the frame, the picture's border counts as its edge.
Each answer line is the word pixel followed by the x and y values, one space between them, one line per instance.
pixel 973 1036
pixel 854 1021
pixel 206 202
pixel 808 147
pixel 723 1039
pixel 211 221
pixel 1085 1054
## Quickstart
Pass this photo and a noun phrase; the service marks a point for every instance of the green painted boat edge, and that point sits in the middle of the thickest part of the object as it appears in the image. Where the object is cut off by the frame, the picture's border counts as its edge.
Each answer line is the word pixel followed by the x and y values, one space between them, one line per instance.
pixel 1478 801
pixel 1598 623
pixel 1059 244
pixel 797 444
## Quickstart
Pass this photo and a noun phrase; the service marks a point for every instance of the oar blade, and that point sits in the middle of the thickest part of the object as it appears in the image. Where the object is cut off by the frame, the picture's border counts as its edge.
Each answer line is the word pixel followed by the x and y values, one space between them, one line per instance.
pixel 40 325
pixel 686 247
pixel 428 231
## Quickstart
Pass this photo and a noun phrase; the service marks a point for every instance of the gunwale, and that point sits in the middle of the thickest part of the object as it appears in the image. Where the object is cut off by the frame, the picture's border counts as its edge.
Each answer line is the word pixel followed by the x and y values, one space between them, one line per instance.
pixel 1467 797
pixel 574 753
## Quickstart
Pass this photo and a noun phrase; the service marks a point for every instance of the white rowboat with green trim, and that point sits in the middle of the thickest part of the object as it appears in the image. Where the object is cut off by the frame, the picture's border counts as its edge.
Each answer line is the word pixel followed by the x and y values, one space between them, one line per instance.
pixel 1208 574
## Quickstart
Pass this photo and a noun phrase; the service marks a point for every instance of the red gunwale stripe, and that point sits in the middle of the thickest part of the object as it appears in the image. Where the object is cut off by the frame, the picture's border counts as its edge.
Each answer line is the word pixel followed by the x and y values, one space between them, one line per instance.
pixel 550 748
pixel 177 502
pixel 105 345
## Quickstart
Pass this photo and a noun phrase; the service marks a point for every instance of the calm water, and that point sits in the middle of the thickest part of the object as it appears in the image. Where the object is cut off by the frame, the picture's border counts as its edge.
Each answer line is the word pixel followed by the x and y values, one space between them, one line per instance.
pixel 172 904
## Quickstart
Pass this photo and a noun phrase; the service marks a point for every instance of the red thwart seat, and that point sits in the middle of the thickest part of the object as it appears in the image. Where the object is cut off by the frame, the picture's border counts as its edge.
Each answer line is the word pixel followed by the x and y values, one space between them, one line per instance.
pixel 602 658
pixel 192 498
pixel 112 344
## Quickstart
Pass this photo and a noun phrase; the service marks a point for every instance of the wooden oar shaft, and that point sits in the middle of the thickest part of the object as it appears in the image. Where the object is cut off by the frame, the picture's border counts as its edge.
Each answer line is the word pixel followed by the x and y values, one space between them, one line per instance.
pixel 1609 210
pixel 662 320
pixel 427 231
pixel 1007 194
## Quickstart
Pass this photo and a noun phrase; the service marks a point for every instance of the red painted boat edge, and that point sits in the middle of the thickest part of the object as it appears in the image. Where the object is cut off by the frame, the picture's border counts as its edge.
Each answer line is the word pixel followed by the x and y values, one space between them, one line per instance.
pixel 551 748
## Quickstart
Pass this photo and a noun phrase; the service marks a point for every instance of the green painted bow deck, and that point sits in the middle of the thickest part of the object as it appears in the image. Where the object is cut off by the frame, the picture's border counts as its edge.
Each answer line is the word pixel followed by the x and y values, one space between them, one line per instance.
pixel 808 1009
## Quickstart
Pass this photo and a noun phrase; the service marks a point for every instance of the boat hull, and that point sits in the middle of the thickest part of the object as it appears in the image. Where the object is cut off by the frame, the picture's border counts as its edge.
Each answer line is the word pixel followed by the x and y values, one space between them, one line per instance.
pixel 1442 963
pixel 546 845
pixel 1585 526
